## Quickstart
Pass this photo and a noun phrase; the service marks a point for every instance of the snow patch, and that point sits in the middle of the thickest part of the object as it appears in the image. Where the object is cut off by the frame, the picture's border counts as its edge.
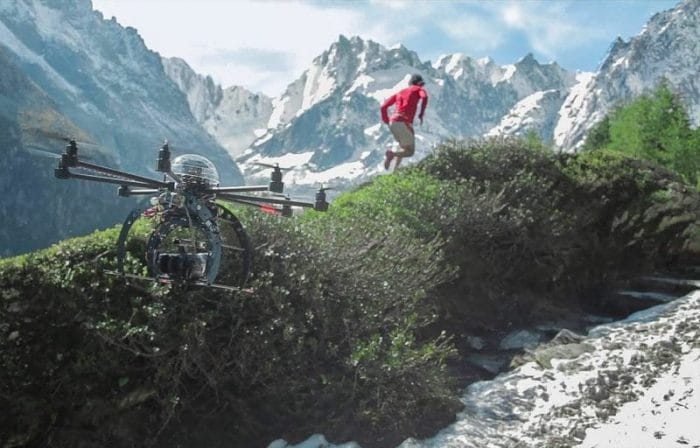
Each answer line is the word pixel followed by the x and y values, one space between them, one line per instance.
pixel 454 62
pixel 509 71
pixel 374 130
pixel 675 394
pixel 348 170
pixel 262 140
pixel 286 160
pixel 574 107
pixel 8 39
pixel 319 86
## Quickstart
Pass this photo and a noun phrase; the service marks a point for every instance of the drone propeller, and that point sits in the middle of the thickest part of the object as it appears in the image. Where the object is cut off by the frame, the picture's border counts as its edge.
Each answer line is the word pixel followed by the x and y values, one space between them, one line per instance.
pixel 54 135
pixel 276 184
pixel 43 152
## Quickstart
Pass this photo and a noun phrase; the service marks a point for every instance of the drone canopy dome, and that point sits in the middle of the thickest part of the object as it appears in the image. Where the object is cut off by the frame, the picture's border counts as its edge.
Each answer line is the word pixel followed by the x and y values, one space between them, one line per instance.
pixel 192 168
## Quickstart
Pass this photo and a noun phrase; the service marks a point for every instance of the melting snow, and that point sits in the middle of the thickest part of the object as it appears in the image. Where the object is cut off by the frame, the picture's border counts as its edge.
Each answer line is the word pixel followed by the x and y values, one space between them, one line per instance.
pixel 574 106
pixel 287 160
pixel 629 384
pixel 637 424
pixel 373 131
pixel 348 170
pixel 10 40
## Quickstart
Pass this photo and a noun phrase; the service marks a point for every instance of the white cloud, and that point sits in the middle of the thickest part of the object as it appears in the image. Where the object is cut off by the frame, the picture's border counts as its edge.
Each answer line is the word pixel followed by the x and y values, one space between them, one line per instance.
pixel 198 32
pixel 265 45
pixel 550 27
pixel 478 34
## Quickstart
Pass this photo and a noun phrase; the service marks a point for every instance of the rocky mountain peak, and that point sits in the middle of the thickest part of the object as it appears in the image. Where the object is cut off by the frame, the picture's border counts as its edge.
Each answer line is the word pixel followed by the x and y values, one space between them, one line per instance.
pixel 664 49
pixel 234 116
pixel 527 61
pixel 101 78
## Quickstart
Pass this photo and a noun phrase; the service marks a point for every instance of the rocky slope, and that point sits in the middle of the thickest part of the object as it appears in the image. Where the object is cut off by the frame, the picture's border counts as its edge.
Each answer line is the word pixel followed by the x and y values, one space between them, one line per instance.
pixel 574 391
pixel 329 116
pixel 234 115
pixel 665 48
pixel 102 78
pixel 626 384
pixel 35 208
pixel 326 121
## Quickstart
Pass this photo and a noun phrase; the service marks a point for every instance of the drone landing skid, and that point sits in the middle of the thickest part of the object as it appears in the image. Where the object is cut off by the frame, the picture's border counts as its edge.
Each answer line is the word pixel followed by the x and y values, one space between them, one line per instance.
pixel 183 284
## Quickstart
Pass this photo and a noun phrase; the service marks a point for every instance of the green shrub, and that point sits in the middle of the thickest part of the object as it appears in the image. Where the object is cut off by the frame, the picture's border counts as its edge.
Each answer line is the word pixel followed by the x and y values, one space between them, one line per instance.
pixel 535 223
pixel 99 353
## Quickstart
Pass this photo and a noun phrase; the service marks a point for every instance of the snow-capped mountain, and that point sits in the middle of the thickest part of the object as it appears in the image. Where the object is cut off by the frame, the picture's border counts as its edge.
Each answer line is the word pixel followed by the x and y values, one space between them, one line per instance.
pixel 34 208
pixel 327 121
pixel 234 116
pixel 104 78
pixel 665 48
pixel 327 124
pixel 535 111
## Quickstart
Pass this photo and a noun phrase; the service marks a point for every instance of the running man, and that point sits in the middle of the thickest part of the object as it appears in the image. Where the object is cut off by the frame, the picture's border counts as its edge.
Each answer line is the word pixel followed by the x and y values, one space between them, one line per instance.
pixel 401 122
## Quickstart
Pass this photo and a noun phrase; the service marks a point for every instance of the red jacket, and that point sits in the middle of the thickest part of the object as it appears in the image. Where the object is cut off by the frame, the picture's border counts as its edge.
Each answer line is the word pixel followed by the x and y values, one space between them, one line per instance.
pixel 406 104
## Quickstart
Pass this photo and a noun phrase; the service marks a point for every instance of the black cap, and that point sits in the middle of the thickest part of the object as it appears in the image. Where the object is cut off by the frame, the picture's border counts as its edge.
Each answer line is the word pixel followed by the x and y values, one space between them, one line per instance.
pixel 416 79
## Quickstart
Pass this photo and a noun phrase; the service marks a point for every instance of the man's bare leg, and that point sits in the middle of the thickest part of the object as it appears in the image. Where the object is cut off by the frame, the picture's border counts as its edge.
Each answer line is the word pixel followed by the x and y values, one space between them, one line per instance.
pixel 406 151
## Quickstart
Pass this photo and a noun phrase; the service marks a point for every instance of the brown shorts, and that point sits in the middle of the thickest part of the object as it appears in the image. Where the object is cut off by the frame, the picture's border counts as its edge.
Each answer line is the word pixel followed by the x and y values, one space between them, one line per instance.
pixel 403 134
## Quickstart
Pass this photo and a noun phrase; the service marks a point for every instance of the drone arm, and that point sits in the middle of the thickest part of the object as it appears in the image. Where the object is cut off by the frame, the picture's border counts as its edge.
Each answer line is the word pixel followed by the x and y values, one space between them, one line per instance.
pixel 174 176
pixel 126 191
pixel 244 202
pixel 242 189
pixel 257 199
pixel 107 180
pixel 145 181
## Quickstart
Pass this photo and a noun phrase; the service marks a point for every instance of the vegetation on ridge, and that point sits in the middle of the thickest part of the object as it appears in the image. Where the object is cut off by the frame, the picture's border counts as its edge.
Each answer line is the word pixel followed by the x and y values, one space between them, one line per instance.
pixel 351 320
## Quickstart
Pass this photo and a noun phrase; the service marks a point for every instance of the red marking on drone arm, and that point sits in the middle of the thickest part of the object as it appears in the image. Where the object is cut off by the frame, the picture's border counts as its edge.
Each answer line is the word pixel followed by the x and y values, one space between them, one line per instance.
pixel 268 208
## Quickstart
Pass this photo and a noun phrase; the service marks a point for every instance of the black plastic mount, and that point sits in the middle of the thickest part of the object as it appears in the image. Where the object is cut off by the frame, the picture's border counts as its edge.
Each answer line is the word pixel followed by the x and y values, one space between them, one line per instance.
pixel 163 165
pixel 321 204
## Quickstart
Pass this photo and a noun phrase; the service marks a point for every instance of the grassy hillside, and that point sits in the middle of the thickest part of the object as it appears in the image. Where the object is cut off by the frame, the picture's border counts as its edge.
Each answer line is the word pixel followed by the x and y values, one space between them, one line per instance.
pixel 352 316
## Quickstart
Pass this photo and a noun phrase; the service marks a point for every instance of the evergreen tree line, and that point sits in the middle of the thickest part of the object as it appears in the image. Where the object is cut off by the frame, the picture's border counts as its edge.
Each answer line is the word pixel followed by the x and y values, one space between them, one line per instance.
pixel 655 127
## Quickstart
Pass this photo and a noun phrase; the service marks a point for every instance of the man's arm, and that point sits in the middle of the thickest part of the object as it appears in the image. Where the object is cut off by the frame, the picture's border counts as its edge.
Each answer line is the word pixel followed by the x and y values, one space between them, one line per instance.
pixel 424 104
pixel 389 101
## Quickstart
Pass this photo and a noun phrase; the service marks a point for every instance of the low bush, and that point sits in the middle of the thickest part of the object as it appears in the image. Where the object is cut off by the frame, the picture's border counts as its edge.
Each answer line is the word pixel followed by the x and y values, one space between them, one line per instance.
pixel 325 335
pixel 347 323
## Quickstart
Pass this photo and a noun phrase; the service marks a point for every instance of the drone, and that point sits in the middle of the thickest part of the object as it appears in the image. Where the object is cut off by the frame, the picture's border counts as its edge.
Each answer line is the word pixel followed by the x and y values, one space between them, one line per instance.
pixel 187 243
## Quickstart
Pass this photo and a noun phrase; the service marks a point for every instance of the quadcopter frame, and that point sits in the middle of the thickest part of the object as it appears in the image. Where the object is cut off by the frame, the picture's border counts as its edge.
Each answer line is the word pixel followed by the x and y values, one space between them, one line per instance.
pixel 184 204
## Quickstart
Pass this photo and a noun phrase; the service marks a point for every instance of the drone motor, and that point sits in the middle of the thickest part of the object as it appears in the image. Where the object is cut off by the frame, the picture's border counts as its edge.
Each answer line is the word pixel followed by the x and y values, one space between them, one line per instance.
pixel 163 165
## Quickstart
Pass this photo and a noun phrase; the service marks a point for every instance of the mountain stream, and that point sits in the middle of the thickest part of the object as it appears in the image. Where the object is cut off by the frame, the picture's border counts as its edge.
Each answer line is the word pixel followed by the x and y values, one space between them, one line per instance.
pixel 631 382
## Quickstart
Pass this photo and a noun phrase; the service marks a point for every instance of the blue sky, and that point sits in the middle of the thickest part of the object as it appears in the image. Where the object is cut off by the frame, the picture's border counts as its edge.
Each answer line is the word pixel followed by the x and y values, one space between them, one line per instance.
pixel 265 45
